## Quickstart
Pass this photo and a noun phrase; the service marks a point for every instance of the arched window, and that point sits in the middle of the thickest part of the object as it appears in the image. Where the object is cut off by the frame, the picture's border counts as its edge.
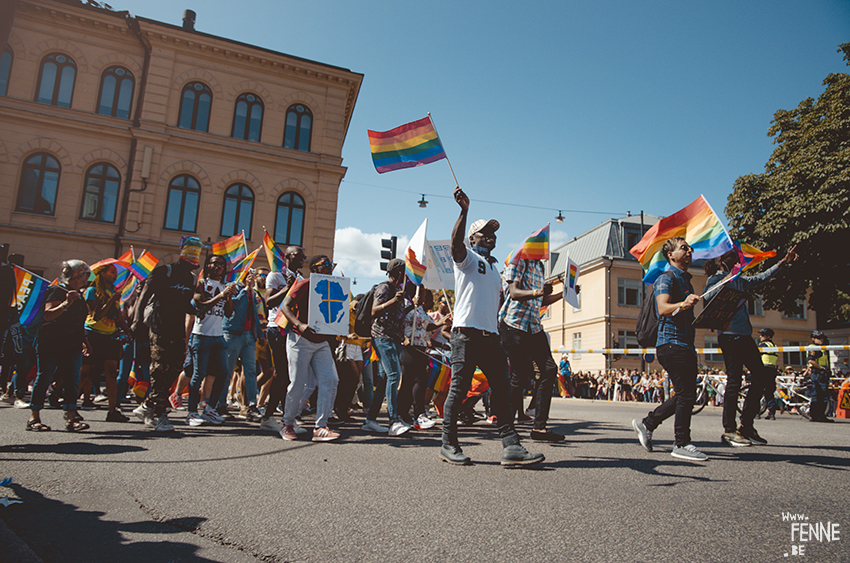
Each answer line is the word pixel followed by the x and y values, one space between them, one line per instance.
pixel 100 196
pixel 39 183
pixel 116 92
pixel 299 124
pixel 56 80
pixel 289 220
pixel 238 211
pixel 5 69
pixel 181 210
pixel 195 103
pixel 248 117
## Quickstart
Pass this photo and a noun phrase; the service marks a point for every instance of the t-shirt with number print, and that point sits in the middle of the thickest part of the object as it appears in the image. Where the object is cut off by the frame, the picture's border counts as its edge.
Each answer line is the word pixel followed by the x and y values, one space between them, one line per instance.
pixel 477 289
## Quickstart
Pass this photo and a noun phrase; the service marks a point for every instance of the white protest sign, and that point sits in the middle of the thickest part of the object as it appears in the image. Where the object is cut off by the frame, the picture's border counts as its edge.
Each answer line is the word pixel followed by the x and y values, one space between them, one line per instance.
pixel 571 272
pixel 329 301
pixel 440 273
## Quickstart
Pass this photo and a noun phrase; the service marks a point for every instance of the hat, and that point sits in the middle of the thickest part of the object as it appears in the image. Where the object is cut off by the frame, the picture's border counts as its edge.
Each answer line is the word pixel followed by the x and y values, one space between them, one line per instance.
pixel 395 264
pixel 767 332
pixel 190 250
pixel 481 224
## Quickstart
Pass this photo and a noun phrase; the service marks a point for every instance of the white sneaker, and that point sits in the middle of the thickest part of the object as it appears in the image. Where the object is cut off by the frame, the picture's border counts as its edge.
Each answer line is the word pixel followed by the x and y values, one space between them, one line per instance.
pixel 688 452
pixel 398 428
pixel 19 404
pixel 145 415
pixel 194 419
pixel 424 423
pixel 101 399
pixel 271 424
pixel 162 425
pixel 211 416
pixel 372 426
pixel 8 398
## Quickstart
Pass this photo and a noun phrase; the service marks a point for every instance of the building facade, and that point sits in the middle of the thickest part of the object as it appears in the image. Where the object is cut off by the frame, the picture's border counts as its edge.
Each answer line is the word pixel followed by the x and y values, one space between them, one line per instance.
pixel 118 130
pixel 612 294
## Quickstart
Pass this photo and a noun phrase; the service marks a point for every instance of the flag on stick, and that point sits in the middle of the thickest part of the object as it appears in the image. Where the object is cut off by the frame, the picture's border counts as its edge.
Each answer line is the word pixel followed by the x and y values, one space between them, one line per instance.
pixel 233 249
pixel 143 267
pixel 128 258
pixel 412 144
pixel 414 256
pixel 240 270
pixel 273 254
pixel 535 247
pixel 29 295
pixel 749 255
pixel 128 288
pixel 697 224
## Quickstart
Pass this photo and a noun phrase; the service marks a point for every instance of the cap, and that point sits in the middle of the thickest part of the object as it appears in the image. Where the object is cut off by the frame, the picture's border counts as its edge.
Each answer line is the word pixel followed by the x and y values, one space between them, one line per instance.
pixel 480 224
pixel 767 332
pixel 395 264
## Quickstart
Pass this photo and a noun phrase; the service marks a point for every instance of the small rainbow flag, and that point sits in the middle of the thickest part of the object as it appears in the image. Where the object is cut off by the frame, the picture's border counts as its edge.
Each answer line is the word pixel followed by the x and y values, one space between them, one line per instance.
pixel 29 295
pixel 273 254
pixel 233 249
pixel 697 224
pixel 241 269
pixel 414 256
pixel 749 255
pixel 439 376
pixel 127 260
pixel 412 144
pixel 127 289
pixel 143 267
pixel 535 247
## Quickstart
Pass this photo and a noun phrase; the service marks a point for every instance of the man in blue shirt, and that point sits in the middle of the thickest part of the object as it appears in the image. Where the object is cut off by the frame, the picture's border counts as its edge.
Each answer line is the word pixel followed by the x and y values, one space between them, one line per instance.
pixel 674 306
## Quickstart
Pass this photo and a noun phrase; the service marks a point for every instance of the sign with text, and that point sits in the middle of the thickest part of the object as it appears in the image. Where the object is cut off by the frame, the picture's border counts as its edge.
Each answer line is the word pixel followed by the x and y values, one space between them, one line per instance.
pixel 718 312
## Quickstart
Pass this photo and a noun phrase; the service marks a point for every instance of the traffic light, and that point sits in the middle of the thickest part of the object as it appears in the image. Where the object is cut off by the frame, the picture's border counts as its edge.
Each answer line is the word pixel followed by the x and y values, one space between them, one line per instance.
pixel 388 251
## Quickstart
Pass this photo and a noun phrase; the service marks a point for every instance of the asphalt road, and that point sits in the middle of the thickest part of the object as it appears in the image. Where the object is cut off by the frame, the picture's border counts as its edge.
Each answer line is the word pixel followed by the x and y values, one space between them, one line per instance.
pixel 119 492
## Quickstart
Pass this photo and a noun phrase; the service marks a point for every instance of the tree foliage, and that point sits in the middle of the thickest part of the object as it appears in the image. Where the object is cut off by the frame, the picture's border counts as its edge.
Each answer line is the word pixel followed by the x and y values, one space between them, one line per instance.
pixel 803 199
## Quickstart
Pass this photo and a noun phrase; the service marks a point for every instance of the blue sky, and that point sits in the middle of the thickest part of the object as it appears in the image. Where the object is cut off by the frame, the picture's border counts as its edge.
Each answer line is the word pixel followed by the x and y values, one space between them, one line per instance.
pixel 600 107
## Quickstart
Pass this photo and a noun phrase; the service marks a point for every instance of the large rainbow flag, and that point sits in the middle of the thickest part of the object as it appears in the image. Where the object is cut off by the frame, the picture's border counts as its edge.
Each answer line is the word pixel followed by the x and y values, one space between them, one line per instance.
pixel 535 247
pixel 412 144
pixel 749 255
pixel 273 254
pixel 29 295
pixel 697 224
pixel 414 256
pixel 233 249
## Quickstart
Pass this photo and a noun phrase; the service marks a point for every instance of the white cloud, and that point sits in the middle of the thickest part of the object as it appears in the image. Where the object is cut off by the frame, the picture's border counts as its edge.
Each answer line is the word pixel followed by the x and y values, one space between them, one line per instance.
pixel 358 254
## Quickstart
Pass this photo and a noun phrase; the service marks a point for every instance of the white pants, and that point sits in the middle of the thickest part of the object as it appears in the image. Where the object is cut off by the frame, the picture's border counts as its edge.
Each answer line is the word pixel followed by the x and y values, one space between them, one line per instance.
pixel 306 361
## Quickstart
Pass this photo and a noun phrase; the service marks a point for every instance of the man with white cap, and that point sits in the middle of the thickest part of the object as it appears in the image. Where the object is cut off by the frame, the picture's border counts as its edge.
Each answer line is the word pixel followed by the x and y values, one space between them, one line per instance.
pixel 475 339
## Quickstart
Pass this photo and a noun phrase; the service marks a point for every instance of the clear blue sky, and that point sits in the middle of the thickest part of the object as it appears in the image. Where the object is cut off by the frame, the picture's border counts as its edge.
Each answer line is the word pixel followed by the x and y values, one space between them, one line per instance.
pixel 598 106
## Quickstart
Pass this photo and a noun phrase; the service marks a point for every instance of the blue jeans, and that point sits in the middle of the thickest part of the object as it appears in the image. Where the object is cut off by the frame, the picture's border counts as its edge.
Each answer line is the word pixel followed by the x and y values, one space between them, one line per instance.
pixel 209 357
pixel 64 365
pixel 241 346
pixel 386 378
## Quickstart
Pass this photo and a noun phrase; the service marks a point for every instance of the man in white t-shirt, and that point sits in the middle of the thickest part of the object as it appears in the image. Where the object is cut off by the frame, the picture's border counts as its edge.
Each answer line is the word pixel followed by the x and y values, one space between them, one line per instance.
pixel 475 339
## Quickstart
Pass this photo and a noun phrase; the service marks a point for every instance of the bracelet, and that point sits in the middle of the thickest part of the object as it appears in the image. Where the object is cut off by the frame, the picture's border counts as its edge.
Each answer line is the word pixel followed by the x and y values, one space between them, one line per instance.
pixel 64 305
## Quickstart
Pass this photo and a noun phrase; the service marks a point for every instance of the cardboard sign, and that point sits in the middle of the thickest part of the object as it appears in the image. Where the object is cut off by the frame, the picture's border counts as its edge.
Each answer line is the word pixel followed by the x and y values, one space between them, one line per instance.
pixel 329 301
pixel 719 311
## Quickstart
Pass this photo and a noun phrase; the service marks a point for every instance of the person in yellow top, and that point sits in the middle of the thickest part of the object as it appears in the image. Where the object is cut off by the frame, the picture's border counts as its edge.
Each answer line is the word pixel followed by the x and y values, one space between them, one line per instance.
pixel 768 359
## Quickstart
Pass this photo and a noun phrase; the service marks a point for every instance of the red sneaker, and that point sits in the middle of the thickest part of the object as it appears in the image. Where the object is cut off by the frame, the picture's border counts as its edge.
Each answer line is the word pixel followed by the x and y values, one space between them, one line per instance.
pixel 323 434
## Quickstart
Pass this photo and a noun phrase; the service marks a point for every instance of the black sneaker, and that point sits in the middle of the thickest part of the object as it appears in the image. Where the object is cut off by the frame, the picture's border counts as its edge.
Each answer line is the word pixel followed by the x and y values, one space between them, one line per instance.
pixel 225 414
pixel 515 456
pixel 546 436
pixel 751 435
pixel 115 416
pixel 454 455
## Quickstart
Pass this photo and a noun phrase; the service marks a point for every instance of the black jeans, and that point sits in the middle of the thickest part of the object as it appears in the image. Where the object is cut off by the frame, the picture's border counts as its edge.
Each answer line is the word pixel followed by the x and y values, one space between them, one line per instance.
pixel 472 348
pixel 740 351
pixel 414 381
pixel 280 381
pixel 524 349
pixel 681 366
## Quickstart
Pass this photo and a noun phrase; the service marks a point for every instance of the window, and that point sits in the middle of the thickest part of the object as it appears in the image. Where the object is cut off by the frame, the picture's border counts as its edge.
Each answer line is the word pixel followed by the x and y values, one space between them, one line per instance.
pixel 5 69
pixel 56 80
pixel 633 237
pixel 238 210
pixel 711 342
pixel 195 103
pixel 116 92
pixel 248 117
pixel 299 124
pixel 576 345
pixel 794 358
pixel 756 306
pixel 628 339
pixel 629 292
pixel 39 183
pixel 181 211
pixel 100 197
pixel 799 311
pixel 289 222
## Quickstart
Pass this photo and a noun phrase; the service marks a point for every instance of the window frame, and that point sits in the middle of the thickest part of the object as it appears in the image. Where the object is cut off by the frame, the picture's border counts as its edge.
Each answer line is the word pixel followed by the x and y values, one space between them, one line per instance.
pixel 195 106
pixel 801 316
pixel 116 93
pixel 58 79
pixel 251 105
pixel 287 240
pixel 42 169
pixel 185 189
pixel 576 341
pixel 239 199
pixel 299 114
pixel 11 53
pixel 104 177
pixel 623 286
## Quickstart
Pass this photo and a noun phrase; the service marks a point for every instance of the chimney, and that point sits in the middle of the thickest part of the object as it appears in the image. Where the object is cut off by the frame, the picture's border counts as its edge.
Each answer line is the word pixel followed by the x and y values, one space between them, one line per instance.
pixel 189 20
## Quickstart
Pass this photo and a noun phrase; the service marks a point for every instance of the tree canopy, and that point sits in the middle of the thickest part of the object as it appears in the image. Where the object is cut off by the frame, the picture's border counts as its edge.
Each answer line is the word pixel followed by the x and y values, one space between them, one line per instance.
pixel 803 198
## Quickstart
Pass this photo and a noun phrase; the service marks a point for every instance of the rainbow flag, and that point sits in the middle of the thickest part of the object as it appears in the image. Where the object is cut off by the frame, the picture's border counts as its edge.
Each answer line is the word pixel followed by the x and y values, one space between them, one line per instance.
pixel 535 247
pixel 414 256
pixel 29 295
pixel 241 269
pixel 127 289
pixel 697 224
pixel 412 144
pixel 749 256
pixel 439 376
pixel 233 249
pixel 143 267
pixel 273 254
pixel 127 259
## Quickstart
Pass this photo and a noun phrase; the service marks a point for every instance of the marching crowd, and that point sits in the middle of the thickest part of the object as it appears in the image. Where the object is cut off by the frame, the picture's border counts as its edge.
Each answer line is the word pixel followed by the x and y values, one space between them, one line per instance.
pixel 245 350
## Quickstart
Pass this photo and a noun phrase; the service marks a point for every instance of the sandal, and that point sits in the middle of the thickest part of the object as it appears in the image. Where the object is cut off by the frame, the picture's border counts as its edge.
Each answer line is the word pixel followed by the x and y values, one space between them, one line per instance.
pixel 75 426
pixel 37 426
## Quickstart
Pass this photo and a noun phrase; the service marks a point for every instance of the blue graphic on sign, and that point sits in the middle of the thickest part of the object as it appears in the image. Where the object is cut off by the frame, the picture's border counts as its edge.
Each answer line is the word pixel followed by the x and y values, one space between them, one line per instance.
pixel 332 302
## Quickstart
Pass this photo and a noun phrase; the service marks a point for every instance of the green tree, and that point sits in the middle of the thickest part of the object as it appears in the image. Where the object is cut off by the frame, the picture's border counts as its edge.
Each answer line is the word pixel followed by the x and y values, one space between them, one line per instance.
pixel 803 198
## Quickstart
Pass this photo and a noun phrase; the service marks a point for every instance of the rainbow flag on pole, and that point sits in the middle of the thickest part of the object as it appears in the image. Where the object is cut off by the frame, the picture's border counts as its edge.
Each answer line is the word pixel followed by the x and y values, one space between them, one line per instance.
pixel 143 267
pixel 241 269
pixel 697 224
pixel 749 255
pixel 414 256
pixel 29 295
pixel 535 247
pixel 412 144
pixel 233 249
pixel 273 254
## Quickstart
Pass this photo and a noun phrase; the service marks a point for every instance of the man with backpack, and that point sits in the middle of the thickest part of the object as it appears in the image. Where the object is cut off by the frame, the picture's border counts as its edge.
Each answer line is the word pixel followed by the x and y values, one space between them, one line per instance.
pixel 674 306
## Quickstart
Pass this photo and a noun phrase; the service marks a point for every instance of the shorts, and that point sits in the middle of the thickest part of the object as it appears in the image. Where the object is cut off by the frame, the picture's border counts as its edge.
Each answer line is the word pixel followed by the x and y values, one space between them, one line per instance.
pixel 102 347
pixel 353 352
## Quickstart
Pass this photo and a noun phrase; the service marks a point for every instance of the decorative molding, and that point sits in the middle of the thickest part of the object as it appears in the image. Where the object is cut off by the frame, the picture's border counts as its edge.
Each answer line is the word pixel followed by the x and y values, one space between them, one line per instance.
pixel 302 98
pixel 116 59
pixel 250 86
pixel 296 186
pixel 185 167
pixel 200 75
pixel 240 176
pixel 42 144
pixel 54 45
pixel 101 155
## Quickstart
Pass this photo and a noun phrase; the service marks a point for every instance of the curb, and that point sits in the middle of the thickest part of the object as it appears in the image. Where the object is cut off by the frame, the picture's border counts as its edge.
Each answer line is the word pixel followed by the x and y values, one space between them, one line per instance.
pixel 14 548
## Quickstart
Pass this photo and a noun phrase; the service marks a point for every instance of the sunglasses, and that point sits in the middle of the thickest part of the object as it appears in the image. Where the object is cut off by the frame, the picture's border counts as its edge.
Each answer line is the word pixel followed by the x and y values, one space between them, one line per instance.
pixel 325 263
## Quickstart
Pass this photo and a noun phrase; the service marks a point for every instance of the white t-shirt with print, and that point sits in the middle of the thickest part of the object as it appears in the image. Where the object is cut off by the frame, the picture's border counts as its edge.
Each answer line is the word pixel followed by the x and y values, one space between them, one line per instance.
pixel 477 289
pixel 211 323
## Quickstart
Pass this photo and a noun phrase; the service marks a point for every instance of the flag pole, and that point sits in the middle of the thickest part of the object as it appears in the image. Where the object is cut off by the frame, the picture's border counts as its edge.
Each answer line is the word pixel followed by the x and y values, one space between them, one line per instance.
pixel 431 119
